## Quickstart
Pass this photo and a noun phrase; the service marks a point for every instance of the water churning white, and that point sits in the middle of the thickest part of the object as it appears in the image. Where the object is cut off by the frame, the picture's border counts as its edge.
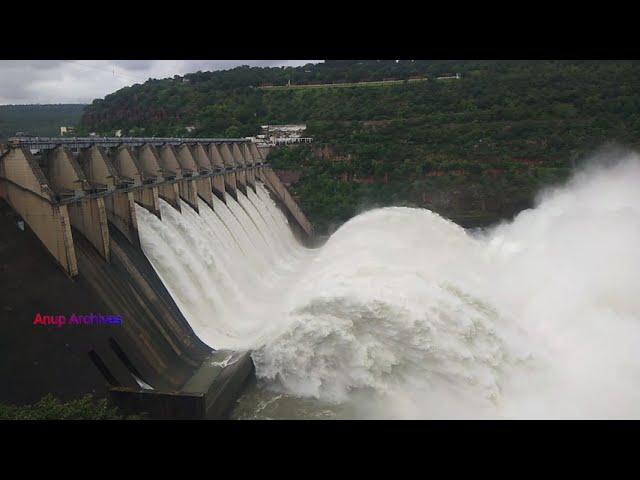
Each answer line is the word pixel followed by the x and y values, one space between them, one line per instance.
pixel 403 314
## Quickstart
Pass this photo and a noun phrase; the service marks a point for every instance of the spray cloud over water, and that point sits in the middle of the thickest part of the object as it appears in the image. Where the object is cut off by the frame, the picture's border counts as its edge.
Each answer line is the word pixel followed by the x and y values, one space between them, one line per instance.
pixel 403 314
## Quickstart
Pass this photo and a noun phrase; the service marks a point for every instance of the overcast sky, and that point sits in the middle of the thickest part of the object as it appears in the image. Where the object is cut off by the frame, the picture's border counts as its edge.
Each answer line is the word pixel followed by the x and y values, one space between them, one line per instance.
pixel 80 81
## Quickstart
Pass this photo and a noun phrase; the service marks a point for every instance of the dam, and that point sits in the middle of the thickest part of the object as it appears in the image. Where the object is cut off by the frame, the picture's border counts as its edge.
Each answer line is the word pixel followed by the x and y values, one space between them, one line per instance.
pixel 227 314
pixel 84 223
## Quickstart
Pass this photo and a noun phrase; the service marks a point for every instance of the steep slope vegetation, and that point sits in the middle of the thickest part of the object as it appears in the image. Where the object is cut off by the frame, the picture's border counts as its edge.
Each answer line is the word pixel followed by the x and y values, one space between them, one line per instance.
pixel 39 120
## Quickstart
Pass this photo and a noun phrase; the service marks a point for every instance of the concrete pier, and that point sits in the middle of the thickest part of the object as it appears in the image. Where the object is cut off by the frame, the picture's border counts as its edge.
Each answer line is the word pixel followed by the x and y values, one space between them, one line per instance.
pixel 68 181
pixel 215 157
pixel 121 212
pixel 223 152
pixel 129 169
pixel 185 169
pixel 150 166
pixel 272 181
pixel 89 216
pixel 250 165
pixel 27 191
pixel 202 165
pixel 241 175
pixel 103 176
pixel 209 394
pixel 149 198
pixel 169 192
pixel 218 182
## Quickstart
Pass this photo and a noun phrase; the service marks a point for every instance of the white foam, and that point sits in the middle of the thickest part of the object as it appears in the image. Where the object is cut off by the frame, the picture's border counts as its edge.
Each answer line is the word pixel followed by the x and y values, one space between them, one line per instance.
pixel 402 314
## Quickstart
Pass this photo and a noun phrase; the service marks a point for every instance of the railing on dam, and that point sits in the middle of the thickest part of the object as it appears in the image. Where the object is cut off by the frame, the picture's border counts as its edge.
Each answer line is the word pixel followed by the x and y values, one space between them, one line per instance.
pixel 91 183
pixel 44 143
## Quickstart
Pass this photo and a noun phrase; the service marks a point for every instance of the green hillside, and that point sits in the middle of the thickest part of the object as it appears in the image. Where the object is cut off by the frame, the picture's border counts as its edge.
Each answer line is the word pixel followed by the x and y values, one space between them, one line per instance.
pixel 475 149
pixel 39 120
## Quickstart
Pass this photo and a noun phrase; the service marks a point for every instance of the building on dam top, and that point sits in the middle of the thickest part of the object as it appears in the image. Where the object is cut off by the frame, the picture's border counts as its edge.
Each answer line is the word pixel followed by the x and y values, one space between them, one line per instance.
pixel 272 135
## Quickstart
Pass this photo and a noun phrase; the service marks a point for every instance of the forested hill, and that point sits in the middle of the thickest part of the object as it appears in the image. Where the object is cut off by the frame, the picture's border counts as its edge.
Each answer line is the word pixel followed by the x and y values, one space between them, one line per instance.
pixel 489 90
pixel 471 148
pixel 38 120
pixel 222 99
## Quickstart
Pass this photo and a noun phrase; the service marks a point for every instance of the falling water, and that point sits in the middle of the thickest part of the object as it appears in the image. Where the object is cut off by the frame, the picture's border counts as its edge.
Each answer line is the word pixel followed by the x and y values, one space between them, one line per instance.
pixel 226 267
pixel 403 314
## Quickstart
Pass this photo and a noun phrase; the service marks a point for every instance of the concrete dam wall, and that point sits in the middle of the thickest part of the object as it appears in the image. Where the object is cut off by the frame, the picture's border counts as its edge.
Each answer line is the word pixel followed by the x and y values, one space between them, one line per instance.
pixel 71 245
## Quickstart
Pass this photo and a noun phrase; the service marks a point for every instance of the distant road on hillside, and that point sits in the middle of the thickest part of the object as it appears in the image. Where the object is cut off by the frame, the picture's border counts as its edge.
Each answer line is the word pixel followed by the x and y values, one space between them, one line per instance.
pixel 381 83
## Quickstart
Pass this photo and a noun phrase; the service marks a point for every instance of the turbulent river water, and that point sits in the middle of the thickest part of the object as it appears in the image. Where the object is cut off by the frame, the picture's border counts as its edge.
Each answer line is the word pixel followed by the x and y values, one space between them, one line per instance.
pixel 403 314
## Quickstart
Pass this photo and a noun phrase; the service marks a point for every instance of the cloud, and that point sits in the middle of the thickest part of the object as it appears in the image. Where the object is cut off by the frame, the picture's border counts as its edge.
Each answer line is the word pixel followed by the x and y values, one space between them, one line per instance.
pixel 81 81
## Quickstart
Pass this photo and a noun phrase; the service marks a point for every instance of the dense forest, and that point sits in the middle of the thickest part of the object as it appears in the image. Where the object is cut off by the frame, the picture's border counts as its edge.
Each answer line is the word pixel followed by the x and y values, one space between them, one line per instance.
pixel 38 120
pixel 475 148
